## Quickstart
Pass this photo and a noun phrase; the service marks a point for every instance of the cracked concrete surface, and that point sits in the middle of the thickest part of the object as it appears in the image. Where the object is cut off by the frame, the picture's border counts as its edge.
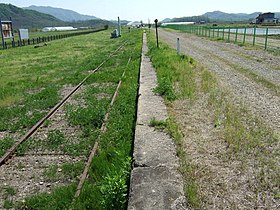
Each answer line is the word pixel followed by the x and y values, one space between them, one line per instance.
pixel 155 180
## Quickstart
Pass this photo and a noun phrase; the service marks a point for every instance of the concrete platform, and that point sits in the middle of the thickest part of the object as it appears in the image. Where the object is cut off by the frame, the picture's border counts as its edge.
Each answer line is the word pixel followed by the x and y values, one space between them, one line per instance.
pixel 155 180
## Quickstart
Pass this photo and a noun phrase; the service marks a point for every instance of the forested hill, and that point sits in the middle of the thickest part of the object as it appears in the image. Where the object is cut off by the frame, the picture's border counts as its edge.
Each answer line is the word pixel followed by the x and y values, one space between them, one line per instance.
pixel 23 18
pixel 62 14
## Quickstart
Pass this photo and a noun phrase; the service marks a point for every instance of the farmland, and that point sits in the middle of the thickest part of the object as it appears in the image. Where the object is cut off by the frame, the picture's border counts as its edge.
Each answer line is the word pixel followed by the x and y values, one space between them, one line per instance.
pixel 47 166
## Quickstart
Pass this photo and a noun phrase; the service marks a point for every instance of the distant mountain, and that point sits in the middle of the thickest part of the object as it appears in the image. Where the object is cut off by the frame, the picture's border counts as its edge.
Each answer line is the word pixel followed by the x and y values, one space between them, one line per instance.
pixel 123 22
pixel 195 19
pixel 222 16
pixel 23 18
pixel 62 14
pixel 166 20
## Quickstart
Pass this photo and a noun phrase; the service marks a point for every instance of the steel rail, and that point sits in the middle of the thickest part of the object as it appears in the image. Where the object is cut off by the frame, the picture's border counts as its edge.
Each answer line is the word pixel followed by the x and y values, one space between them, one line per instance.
pixel 13 149
pixel 95 147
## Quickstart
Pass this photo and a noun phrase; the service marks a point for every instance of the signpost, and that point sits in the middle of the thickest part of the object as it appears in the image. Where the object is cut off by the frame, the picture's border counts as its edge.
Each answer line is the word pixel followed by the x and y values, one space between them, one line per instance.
pixel 7 31
pixel 23 34
pixel 156 23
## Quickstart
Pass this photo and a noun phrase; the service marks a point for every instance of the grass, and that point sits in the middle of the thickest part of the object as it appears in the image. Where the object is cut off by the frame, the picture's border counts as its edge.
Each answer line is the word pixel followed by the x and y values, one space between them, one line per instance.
pixel 8 192
pixel 67 171
pixel 5 144
pixel 182 76
pixel 247 138
pixel 176 77
pixel 30 79
pixel 107 183
pixel 109 173
pixel 190 187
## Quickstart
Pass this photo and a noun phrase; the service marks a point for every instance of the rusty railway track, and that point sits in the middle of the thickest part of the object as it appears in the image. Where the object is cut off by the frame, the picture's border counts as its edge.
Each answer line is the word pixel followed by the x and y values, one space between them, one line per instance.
pixel 103 130
pixel 9 153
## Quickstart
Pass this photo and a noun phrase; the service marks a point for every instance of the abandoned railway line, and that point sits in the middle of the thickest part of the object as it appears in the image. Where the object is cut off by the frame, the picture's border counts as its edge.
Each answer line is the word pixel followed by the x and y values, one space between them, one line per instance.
pixel 56 155
pixel 34 160
pixel 38 125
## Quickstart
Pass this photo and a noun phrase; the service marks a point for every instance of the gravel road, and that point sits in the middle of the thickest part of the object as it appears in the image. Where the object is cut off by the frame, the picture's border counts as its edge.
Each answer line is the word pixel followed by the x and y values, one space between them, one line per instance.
pixel 233 64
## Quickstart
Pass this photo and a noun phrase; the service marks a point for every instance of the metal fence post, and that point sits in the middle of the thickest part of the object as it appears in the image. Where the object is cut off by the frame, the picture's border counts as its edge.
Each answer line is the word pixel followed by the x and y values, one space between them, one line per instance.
pixel 266 35
pixel 244 38
pixel 236 34
pixel 254 38
pixel 229 34
pixel 223 32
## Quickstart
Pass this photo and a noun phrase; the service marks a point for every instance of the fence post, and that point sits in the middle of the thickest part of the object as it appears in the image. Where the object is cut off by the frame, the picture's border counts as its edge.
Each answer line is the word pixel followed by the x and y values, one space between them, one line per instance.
pixel 236 34
pixel 223 33
pixel 218 34
pixel 266 35
pixel 254 39
pixel 244 38
pixel 178 46
pixel 228 34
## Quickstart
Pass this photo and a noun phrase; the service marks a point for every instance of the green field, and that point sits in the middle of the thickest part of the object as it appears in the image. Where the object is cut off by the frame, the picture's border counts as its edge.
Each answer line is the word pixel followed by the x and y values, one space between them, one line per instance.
pixel 31 80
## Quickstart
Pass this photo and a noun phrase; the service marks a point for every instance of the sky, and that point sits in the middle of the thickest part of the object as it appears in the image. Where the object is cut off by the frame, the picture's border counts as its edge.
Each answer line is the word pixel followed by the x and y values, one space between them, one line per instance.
pixel 153 9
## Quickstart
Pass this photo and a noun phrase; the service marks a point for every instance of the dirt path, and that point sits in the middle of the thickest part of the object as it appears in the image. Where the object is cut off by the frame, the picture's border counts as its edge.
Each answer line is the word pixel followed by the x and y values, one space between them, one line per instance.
pixel 245 72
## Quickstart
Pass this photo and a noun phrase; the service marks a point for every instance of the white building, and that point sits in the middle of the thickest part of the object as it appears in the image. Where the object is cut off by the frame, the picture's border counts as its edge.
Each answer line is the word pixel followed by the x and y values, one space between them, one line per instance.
pixel 177 23
pixel 134 24
pixel 64 28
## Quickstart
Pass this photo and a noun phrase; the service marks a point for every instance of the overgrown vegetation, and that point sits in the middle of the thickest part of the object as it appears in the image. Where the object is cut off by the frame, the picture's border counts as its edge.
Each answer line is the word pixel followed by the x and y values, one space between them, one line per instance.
pixel 107 183
pixel 247 139
pixel 176 77
pixel 180 71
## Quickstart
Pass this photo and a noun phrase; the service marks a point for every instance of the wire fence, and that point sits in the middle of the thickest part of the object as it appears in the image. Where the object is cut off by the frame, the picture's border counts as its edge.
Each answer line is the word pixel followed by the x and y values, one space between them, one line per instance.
pixel 266 38
pixel 32 41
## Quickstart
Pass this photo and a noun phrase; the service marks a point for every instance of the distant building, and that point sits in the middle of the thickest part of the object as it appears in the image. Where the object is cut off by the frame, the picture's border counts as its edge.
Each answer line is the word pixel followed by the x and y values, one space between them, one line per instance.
pixel 134 24
pixel 178 23
pixel 65 28
pixel 265 18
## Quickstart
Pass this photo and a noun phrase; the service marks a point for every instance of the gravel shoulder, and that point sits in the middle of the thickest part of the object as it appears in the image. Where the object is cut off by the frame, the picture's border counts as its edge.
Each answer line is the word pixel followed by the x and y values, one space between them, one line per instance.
pixel 223 59
pixel 248 177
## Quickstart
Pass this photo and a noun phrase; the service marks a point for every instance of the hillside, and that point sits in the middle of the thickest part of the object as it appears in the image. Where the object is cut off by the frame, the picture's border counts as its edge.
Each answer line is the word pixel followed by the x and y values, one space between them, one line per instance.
pixel 62 14
pixel 27 18
pixel 24 18
pixel 222 16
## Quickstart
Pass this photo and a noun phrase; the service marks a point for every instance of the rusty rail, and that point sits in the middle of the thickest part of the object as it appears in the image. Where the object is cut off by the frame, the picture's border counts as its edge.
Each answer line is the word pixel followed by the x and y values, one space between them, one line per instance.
pixel 95 147
pixel 33 130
